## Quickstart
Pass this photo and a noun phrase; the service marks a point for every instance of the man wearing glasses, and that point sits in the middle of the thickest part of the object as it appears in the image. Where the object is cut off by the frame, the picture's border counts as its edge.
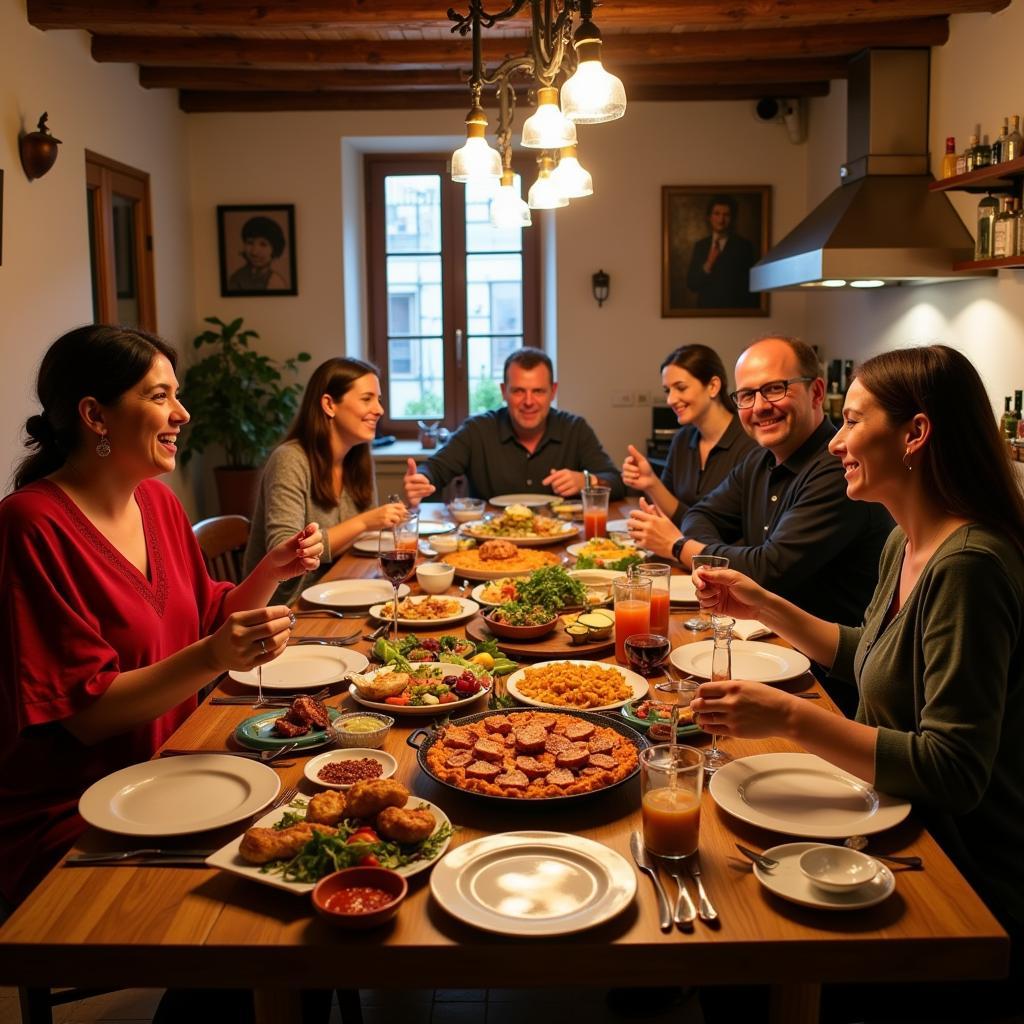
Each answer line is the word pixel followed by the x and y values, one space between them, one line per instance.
pixel 782 515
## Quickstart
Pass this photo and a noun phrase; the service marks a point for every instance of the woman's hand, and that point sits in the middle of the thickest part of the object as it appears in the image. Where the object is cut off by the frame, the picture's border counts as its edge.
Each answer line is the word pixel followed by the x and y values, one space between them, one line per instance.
pixel 637 471
pixel 728 592
pixel 744 709
pixel 650 528
pixel 384 516
pixel 250 638
pixel 298 554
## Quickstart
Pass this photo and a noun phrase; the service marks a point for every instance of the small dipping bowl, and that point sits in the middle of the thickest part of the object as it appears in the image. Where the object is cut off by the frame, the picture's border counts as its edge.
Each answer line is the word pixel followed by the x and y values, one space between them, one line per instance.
pixel 837 868
pixel 578 635
pixel 445 543
pixel 434 577
pixel 332 892
pixel 465 510
pixel 361 729
pixel 595 632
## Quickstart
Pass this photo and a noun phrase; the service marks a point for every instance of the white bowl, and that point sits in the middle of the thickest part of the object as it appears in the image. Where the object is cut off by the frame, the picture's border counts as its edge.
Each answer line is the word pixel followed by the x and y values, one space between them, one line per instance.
pixel 837 868
pixel 373 739
pixel 444 543
pixel 465 510
pixel 435 577
pixel 388 764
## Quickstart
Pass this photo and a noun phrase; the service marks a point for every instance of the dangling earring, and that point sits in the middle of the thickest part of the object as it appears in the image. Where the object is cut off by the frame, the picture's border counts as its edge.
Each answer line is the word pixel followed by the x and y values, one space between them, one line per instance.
pixel 103 446
pixel 906 461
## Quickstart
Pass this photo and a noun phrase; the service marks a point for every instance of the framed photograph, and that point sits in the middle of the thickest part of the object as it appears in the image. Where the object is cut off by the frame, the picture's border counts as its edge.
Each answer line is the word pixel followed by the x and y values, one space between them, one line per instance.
pixel 711 235
pixel 257 249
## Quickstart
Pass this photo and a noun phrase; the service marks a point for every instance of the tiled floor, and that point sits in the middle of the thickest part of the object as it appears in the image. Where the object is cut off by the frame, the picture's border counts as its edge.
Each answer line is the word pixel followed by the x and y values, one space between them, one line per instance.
pixel 420 1006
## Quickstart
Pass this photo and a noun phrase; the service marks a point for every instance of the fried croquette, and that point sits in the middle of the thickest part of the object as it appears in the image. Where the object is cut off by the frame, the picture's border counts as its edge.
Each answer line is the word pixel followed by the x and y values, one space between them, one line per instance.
pixel 262 845
pixel 405 825
pixel 327 807
pixel 366 799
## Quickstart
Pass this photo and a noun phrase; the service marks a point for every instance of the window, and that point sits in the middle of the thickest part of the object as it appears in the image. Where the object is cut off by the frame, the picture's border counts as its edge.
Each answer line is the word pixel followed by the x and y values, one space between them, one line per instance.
pixel 120 243
pixel 451 296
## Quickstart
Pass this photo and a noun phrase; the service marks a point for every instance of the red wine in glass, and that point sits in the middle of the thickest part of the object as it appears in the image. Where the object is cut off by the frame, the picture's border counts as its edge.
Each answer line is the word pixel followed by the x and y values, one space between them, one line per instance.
pixel 646 651
pixel 397 564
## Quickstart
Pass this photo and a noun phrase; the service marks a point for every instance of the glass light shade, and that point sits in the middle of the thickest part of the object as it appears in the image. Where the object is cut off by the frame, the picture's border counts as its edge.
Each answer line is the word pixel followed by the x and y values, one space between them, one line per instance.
pixel 592 95
pixel 871 282
pixel 508 209
pixel 476 161
pixel 546 127
pixel 544 193
pixel 572 179
pixel 833 282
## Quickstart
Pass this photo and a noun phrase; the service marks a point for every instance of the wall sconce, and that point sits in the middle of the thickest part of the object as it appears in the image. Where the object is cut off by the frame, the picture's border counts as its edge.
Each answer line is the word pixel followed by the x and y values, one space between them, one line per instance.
pixel 38 150
pixel 601 281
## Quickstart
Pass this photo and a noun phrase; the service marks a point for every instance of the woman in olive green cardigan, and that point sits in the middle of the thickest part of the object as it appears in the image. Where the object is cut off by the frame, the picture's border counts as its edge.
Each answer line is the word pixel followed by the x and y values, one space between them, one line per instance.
pixel 939 661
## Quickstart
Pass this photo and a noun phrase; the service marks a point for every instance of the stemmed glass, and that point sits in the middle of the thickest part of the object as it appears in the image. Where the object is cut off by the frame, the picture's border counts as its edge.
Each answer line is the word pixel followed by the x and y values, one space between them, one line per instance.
pixel 683 690
pixel 396 552
pixel 721 668
pixel 700 620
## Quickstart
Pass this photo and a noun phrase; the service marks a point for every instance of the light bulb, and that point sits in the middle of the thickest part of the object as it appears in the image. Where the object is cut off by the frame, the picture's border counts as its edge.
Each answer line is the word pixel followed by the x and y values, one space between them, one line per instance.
pixel 833 282
pixel 544 193
pixel 592 95
pixel 476 160
pixel 571 178
pixel 507 207
pixel 546 127
pixel 871 282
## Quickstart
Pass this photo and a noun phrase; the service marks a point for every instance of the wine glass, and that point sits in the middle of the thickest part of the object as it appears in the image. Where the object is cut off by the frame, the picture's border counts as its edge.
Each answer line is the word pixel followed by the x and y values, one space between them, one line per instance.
pixel 683 690
pixel 646 651
pixel 396 552
pixel 700 620
pixel 721 668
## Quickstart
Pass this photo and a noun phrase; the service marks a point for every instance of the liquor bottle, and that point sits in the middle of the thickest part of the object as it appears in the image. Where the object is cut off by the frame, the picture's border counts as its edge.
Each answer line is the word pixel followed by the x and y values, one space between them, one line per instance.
pixel 982 153
pixel 949 161
pixel 1018 396
pixel 997 146
pixel 1018 228
pixel 969 154
pixel 1003 242
pixel 1008 425
pixel 1012 145
pixel 987 210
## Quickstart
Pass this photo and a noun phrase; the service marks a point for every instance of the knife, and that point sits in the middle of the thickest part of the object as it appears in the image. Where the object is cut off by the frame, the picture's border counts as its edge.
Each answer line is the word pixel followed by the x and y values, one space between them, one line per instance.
pixel 646 864
pixel 133 858
pixel 706 910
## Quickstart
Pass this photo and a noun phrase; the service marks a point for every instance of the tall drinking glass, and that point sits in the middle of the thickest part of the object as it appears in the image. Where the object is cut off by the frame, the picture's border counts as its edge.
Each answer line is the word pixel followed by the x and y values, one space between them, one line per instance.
pixel 671 780
pixel 396 552
pixel 632 598
pixel 595 511
pixel 700 620
pixel 721 668
pixel 659 574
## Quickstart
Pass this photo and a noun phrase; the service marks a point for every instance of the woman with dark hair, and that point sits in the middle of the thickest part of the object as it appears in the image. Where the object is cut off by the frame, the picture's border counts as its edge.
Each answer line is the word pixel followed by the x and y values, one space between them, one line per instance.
pixel 708 444
pixel 110 622
pixel 323 470
pixel 939 661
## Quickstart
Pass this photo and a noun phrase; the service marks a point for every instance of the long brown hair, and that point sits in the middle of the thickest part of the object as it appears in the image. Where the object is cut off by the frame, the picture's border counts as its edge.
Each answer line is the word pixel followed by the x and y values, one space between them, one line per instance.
pixel 96 360
pixel 312 429
pixel 965 464
pixel 703 363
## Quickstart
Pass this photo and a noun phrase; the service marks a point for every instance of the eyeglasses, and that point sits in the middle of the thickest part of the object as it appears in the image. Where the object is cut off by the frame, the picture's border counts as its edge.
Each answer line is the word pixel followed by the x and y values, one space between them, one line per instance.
pixel 773 391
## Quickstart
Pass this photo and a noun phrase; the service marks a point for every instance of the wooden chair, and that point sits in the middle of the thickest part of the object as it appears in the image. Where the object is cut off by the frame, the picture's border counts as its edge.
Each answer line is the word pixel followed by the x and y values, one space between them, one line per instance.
pixel 222 540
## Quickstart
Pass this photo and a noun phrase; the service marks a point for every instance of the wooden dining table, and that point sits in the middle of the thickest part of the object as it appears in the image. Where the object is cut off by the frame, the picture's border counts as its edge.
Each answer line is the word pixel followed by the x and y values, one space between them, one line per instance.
pixel 199 927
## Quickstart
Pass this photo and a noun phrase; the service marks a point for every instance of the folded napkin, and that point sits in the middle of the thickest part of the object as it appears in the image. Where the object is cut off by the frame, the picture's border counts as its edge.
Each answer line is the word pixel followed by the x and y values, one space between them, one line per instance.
pixel 750 629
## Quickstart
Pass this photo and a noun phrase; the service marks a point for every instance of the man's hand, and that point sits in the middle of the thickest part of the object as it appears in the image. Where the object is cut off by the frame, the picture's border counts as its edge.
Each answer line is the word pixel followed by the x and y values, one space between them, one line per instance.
pixel 416 485
pixel 564 482
pixel 650 528
pixel 637 472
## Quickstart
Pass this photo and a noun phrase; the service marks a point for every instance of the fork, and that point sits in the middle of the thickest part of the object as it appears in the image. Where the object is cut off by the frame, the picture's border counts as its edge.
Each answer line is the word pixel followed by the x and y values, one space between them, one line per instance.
pixel 332 613
pixel 285 797
pixel 273 702
pixel 325 641
pixel 763 862
pixel 265 756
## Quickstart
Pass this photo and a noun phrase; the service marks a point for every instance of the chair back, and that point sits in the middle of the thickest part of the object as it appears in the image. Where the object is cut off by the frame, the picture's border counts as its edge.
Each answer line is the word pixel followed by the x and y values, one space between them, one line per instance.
pixel 222 540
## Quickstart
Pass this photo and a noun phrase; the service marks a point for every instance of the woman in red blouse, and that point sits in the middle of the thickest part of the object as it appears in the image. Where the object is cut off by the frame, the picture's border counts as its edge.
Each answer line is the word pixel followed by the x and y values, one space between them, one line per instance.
pixel 110 623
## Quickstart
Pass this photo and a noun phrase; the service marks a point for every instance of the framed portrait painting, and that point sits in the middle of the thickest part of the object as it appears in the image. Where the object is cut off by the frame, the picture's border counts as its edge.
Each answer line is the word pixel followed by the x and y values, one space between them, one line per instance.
pixel 711 235
pixel 257 250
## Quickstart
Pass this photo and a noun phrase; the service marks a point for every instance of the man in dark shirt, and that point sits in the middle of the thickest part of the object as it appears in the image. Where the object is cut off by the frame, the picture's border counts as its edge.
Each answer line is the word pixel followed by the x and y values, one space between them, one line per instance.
pixel 525 447
pixel 782 516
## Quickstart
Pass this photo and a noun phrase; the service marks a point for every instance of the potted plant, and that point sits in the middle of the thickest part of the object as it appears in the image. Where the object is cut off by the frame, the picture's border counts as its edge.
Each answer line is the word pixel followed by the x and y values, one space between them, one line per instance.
pixel 237 400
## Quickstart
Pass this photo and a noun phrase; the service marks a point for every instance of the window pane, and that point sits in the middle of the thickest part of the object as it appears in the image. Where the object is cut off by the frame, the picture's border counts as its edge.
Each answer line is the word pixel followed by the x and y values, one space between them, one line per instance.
pixel 494 294
pixel 486 360
pixel 91 211
pixel 414 295
pixel 415 378
pixel 412 213
pixel 124 260
pixel 481 236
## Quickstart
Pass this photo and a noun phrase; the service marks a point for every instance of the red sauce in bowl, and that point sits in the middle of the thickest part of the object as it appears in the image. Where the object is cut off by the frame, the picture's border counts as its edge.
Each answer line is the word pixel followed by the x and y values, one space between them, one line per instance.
pixel 359 899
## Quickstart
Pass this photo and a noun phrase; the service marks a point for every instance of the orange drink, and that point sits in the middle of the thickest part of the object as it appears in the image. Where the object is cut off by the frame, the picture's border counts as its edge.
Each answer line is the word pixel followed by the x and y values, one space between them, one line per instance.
pixel 659 574
pixel 595 510
pixel 659 612
pixel 631 617
pixel 671 821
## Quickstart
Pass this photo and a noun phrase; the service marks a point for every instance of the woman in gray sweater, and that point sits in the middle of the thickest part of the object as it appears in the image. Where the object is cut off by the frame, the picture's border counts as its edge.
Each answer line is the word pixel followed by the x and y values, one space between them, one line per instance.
pixel 939 661
pixel 322 471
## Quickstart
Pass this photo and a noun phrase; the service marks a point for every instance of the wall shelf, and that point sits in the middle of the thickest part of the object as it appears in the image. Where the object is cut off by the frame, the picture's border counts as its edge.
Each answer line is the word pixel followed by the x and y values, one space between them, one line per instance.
pixel 1004 262
pixel 1004 177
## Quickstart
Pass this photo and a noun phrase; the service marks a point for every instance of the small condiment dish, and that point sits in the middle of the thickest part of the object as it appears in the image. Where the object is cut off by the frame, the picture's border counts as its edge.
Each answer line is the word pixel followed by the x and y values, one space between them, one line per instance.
pixel 445 543
pixel 837 868
pixel 388 765
pixel 465 510
pixel 534 632
pixel 332 892
pixel 599 624
pixel 578 635
pixel 434 577
pixel 361 729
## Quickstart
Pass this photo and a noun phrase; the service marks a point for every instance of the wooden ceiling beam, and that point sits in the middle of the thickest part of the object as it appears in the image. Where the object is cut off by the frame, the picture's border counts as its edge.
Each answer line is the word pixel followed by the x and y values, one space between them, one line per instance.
pixel 193 101
pixel 688 47
pixel 763 73
pixel 126 15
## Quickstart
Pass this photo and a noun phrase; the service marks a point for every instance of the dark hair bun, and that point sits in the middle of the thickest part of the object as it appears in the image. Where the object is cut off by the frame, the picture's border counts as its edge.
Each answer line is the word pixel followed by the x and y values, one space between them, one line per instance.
pixel 38 428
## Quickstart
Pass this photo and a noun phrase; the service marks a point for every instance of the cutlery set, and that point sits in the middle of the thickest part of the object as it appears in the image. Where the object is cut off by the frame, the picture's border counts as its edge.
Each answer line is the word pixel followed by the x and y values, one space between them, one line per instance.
pixel 684 912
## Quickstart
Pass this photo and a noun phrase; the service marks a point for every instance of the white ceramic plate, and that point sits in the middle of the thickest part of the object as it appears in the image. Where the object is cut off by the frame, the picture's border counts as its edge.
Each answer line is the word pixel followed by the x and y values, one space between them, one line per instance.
pixel 638 685
pixel 681 590
pixel 175 796
pixel 304 665
pixel 789 882
pixel 432 527
pixel 425 710
pixel 388 764
pixel 618 526
pixel 227 858
pixel 525 540
pixel 529 500
pixel 803 795
pixel 751 659
pixel 468 609
pixel 351 593
pixel 533 883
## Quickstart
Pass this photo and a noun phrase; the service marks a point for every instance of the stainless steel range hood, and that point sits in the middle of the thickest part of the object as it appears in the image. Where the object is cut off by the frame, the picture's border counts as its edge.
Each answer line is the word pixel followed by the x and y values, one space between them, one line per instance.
pixel 882 223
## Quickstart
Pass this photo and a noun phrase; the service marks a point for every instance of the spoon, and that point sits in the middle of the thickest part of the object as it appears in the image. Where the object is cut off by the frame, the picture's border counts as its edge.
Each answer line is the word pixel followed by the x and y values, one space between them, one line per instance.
pixel 859 842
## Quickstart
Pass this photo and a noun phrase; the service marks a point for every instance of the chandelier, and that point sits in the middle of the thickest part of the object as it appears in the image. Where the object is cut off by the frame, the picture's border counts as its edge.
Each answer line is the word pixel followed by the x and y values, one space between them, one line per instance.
pixel 589 95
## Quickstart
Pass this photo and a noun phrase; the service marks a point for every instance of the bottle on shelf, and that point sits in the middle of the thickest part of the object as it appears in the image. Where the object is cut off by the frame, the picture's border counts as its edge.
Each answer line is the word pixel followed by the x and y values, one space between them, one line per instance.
pixel 1018 228
pixel 1003 241
pixel 1012 145
pixel 949 161
pixel 997 146
pixel 983 153
pixel 988 208
pixel 969 154
pixel 1018 397
pixel 1007 424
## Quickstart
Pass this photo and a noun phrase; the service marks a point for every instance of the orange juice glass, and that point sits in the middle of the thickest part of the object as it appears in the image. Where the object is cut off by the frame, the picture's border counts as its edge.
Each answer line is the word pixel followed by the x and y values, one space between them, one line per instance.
pixel 671 782
pixel 632 598
pixel 659 574
pixel 595 511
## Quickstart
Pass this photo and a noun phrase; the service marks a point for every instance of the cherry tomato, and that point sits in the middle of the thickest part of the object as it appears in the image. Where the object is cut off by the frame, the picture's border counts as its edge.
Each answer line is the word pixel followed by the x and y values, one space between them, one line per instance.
pixel 363 835
pixel 447 698
pixel 369 861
